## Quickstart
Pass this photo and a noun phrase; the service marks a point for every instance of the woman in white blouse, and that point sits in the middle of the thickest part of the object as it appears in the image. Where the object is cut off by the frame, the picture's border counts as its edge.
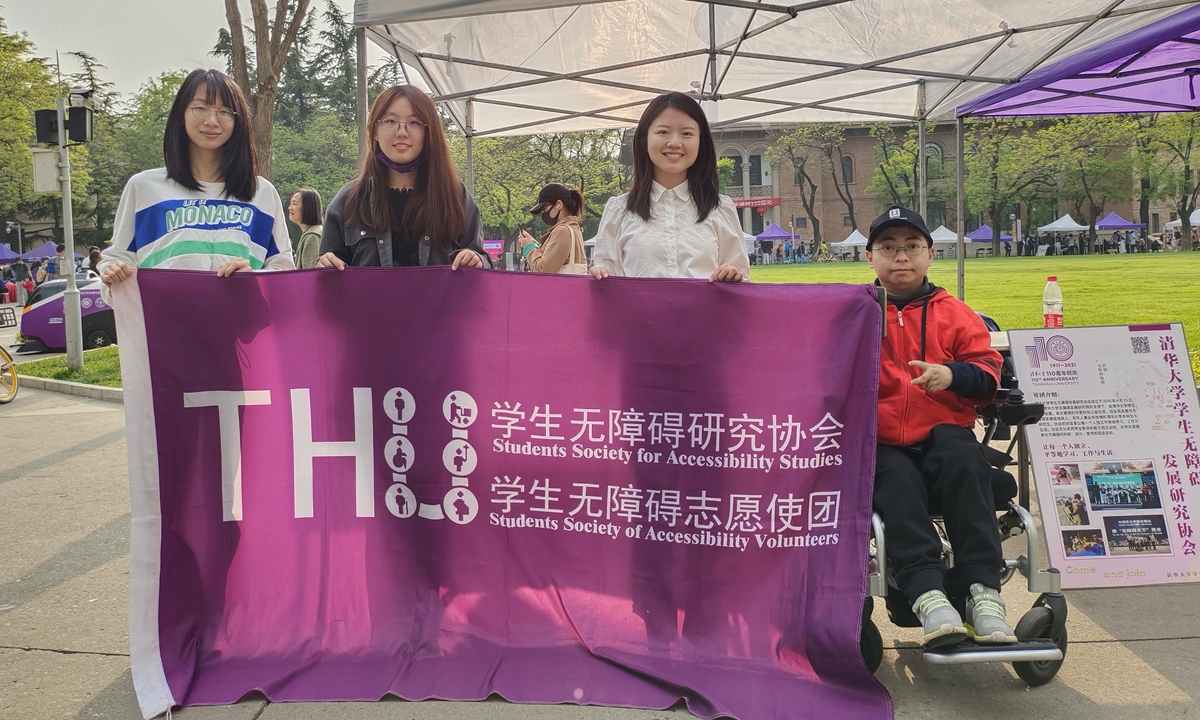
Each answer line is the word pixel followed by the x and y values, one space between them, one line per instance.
pixel 674 223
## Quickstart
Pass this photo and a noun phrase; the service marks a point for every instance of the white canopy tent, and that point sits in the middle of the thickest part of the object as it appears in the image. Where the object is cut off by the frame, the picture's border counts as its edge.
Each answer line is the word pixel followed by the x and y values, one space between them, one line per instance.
pixel 1193 220
pixel 503 67
pixel 855 239
pixel 943 235
pixel 1065 224
pixel 507 67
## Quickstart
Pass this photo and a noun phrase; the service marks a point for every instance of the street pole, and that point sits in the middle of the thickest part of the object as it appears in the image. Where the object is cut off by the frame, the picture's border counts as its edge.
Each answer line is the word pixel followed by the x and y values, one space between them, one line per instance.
pixel 71 311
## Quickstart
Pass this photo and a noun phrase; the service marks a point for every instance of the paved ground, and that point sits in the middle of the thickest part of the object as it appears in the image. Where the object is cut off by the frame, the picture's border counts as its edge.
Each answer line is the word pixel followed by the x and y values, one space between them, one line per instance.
pixel 64 535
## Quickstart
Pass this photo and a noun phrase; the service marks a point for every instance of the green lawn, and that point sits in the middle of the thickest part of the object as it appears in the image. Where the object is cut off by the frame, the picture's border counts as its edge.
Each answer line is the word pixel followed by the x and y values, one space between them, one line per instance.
pixel 1097 289
pixel 100 367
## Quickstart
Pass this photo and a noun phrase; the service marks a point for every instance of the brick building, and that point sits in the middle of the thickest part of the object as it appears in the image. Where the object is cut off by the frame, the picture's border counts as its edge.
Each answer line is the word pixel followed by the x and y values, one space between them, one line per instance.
pixel 767 194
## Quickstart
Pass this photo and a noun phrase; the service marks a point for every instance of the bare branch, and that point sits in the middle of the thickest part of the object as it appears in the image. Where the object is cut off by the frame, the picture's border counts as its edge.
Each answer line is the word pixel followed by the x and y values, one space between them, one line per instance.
pixel 237 40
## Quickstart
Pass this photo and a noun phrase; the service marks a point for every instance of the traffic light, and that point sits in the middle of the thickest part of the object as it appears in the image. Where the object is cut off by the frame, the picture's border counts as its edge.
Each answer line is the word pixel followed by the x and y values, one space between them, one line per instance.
pixel 79 125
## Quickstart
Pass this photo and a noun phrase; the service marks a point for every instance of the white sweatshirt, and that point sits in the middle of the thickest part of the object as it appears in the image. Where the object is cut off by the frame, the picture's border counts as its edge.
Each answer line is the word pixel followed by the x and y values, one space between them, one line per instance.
pixel 161 224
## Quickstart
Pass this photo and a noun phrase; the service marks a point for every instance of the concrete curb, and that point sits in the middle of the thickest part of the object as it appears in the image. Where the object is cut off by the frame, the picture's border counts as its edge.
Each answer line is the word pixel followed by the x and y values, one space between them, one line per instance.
pixel 96 392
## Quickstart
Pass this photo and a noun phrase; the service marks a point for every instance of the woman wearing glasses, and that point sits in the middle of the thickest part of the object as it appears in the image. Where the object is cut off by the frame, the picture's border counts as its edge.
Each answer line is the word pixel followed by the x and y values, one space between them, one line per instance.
pixel 207 209
pixel 407 206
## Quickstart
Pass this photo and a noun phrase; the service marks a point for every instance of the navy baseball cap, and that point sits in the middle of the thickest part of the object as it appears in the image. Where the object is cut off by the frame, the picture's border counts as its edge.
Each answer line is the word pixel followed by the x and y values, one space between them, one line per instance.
pixel 896 215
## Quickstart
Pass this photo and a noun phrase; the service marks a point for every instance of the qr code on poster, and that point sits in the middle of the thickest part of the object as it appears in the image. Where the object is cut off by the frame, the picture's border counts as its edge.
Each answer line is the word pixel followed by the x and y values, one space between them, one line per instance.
pixel 1141 344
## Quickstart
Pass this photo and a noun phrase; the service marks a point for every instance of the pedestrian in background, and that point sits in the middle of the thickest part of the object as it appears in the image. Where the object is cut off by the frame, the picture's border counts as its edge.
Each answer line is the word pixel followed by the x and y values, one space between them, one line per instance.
pixel 560 249
pixel 304 209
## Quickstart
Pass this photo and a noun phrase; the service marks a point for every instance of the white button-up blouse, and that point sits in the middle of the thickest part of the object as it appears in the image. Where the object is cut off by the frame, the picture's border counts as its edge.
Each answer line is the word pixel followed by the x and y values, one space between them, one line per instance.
pixel 671 244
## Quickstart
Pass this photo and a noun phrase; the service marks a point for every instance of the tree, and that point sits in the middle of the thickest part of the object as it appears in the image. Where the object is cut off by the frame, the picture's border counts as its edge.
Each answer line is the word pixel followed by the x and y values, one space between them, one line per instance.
pixel 1095 166
pixel 127 142
pixel 509 172
pixel 1149 164
pixel 273 38
pixel 1175 137
pixel 813 150
pixel 1003 163
pixel 27 84
pixel 895 179
pixel 323 154
pixel 792 146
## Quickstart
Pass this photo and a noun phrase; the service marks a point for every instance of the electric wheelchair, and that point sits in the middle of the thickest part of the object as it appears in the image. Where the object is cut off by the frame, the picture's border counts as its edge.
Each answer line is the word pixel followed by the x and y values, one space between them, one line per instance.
pixel 1041 632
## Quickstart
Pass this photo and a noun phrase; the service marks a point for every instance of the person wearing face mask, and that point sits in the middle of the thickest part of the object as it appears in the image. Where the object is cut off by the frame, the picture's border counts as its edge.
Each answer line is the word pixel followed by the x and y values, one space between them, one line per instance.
pixel 560 249
pixel 673 223
pixel 407 207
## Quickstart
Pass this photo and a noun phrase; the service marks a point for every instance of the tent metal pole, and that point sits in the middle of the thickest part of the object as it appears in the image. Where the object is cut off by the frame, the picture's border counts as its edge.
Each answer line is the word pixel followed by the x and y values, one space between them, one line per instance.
pixel 712 52
pixel 360 42
pixel 923 201
pixel 962 213
pixel 470 147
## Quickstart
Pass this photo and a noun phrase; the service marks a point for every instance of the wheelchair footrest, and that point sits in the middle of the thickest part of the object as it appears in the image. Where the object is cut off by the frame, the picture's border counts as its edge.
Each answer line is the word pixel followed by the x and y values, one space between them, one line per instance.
pixel 970 652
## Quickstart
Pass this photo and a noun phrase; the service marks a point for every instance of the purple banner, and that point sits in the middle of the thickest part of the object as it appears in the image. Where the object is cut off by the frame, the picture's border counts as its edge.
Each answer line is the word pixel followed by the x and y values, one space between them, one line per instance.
pixel 443 484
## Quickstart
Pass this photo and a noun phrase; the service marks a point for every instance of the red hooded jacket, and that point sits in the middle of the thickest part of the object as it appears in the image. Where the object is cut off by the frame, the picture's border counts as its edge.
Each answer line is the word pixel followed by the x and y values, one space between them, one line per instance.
pixel 936 328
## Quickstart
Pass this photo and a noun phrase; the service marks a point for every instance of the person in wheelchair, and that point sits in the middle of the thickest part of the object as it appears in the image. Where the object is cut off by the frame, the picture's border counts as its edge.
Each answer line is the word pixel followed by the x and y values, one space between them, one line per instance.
pixel 937 365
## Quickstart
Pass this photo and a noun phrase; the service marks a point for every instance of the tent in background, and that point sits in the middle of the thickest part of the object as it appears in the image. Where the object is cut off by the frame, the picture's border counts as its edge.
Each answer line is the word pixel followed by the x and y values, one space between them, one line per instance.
pixel 855 239
pixel 943 235
pixel 6 254
pixel 47 250
pixel 1113 221
pixel 1065 224
pixel 774 232
pixel 1193 220
pixel 983 233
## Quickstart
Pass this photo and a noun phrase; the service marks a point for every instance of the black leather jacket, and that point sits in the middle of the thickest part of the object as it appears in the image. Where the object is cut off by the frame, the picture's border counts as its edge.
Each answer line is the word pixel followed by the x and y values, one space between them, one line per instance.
pixel 363 247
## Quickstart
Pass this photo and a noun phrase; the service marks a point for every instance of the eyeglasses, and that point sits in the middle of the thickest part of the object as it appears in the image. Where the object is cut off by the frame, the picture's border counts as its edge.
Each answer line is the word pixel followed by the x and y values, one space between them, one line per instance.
pixel 890 251
pixel 389 126
pixel 203 112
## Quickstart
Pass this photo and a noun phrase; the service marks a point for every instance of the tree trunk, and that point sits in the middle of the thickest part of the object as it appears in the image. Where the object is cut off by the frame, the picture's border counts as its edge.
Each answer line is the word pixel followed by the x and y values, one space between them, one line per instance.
pixel 264 120
pixel 1144 203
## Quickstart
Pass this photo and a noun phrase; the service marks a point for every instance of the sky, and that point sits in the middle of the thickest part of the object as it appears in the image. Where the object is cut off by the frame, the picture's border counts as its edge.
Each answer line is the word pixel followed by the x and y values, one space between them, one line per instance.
pixel 135 39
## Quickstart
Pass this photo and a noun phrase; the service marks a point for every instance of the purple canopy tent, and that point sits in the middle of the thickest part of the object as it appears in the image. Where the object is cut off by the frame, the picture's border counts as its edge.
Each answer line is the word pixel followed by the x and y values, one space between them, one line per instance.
pixel 1113 221
pixel 48 250
pixel 1150 69
pixel 774 232
pixel 6 254
pixel 983 233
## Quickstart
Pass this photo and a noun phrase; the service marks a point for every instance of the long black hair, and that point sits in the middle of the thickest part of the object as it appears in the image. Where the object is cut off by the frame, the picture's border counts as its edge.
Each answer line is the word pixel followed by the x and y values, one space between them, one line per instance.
pixel 703 182
pixel 436 207
pixel 239 161
pixel 310 206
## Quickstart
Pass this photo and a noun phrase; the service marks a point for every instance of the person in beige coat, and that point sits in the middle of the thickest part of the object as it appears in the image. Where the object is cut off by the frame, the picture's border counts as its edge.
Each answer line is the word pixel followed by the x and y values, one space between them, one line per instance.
pixel 560 249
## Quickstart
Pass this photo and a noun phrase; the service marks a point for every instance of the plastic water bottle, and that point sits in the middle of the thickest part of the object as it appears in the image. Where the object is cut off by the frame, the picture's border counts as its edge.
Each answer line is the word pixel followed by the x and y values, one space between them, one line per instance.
pixel 1052 304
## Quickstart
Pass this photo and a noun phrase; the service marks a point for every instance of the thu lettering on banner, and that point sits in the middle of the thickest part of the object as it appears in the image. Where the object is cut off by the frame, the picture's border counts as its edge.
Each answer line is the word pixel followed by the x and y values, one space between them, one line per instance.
pixel 444 484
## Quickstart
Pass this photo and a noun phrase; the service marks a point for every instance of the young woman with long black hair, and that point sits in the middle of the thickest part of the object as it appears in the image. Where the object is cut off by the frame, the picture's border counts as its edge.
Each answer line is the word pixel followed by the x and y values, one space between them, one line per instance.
pixel 207 209
pixel 407 206
pixel 673 222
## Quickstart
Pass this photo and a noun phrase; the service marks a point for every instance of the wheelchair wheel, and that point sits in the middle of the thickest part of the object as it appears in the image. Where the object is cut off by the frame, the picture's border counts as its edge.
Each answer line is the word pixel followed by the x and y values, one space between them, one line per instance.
pixel 8 378
pixel 871 641
pixel 1037 624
